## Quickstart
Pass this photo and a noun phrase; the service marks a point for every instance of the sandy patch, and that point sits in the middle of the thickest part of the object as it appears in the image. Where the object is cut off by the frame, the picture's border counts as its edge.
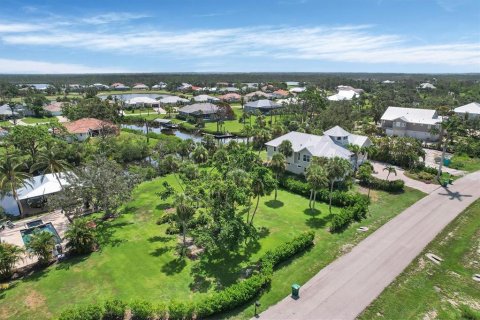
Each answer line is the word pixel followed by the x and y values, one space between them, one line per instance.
pixel 34 300
pixel 430 315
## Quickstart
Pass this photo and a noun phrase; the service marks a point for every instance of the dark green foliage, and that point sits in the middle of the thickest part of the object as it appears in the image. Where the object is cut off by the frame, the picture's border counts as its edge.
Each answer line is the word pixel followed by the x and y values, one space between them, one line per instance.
pixel 468 313
pixel 339 198
pixel 385 185
pixel 114 310
pixel 89 312
pixel 142 310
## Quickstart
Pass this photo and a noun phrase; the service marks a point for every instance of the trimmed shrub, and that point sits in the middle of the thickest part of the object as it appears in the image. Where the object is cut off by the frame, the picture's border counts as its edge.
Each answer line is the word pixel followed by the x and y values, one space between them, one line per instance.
pixel 142 310
pixel 385 185
pixel 88 312
pixel 289 249
pixel 114 310
pixel 341 221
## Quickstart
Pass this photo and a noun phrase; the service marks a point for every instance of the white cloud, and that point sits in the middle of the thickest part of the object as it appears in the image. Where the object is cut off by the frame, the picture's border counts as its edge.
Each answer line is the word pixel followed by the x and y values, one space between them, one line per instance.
pixel 113 17
pixel 19 27
pixel 349 43
pixel 31 66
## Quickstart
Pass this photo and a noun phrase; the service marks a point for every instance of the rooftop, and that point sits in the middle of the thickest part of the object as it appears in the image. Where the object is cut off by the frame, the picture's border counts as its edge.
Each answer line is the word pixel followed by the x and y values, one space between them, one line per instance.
pixel 413 115
pixel 86 124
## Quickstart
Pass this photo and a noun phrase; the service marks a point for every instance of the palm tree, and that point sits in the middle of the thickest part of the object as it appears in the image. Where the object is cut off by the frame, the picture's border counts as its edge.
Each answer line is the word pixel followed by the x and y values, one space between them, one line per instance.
pixel 364 174
pixel 184 212
pixel 262 184
pixel 356 150
pixel 13 107
pixel 48 161
pixel 449 127
pixel 277 164
pixel 41 245
pixel 12 177
pixel 81 236
pixel 286 148
pixel 390 169
pixel 247 132
pixel 337 168
pixel 10 254
pixel 317 179
pixel 200 154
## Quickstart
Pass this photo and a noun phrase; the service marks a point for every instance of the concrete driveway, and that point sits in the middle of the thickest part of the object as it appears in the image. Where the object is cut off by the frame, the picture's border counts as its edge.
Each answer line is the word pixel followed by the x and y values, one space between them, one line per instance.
pixel 409 182
pixel 432 159
pixel 343 289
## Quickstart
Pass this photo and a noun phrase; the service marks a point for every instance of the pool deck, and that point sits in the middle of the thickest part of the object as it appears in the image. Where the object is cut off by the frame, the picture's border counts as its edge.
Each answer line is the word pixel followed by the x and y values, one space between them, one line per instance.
pixel 13 236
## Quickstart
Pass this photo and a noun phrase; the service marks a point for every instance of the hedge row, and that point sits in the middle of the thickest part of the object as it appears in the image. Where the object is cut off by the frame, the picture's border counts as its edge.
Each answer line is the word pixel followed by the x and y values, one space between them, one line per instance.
pixel 339 198
pixel 342 220
pixel 385 185
pixel 233 296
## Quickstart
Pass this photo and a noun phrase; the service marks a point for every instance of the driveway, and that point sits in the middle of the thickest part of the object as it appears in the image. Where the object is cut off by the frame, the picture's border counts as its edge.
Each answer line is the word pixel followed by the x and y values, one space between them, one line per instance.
pixel 409 182
pixel 343 289
pixel 432 159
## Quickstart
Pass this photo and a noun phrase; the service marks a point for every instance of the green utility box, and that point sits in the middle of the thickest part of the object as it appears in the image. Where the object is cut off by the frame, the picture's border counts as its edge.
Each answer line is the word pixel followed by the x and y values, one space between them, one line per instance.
pixel 295 290
pixel 446 162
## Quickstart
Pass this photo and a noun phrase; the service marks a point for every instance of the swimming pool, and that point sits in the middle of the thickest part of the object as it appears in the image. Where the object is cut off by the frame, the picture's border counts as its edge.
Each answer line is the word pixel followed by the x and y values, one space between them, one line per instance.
pixel 27 234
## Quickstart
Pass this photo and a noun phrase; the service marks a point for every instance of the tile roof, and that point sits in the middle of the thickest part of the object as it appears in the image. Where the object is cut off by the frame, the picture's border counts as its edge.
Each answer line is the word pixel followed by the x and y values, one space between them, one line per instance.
pixel 86 124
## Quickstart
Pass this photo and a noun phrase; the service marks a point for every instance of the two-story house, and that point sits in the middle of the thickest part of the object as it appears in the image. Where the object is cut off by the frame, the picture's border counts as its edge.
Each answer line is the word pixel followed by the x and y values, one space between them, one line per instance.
pixel 411 122
pixel 333 143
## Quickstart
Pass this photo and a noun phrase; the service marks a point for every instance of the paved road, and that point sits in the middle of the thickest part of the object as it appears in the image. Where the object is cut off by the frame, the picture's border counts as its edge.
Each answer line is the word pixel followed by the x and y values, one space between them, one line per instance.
pixel 343 289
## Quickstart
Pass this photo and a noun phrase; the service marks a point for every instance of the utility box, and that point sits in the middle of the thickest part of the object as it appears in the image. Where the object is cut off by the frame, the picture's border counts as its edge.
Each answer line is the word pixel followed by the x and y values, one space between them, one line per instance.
pixel 295 290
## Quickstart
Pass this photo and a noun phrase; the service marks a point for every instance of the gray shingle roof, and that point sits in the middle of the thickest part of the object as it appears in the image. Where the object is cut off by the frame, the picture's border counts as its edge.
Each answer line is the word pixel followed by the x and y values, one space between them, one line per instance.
pixel 264 104
pixel 204 108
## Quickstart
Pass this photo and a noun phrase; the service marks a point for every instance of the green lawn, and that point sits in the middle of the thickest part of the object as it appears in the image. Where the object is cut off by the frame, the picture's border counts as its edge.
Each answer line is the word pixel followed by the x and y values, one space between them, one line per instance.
pixel 463 162
pixel 426 288
pixel 33 120
pixel 138 259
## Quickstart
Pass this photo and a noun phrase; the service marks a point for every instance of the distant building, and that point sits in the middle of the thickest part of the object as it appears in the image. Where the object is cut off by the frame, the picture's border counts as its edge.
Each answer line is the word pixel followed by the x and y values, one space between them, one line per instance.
pixel 141 102
pixel 297 89
pixel 411 122
pixel 471 110
pixel 206 111
pixel 345 93
pixel 54 108
pixel 140 86
pixel 426 86
pixel 263 106
pixel 6 111
pixel 231 97
pixel 256 95
pixel 205 98
pixel 173 100
pixel 279 94
pixel 333 143
pixel 89 127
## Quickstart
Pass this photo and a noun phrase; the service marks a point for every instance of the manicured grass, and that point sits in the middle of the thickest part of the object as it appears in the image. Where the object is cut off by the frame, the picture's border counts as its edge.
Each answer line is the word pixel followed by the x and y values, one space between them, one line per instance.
pixel 138 259
pixel 463 162
pixel 5 123
pixel 426 288
pixel 33 120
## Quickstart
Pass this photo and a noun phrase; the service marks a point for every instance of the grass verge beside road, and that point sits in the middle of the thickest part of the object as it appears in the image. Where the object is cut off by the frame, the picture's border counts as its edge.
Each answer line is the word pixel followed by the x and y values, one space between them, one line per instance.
pixel 426 290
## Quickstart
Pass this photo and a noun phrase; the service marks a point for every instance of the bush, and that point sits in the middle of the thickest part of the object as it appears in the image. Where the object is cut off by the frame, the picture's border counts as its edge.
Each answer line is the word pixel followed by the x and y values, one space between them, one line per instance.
pixel 339 198
pixel 89 312
pixel 289 249
pixel 385 185
pixel 114 310
pixel 142 310
pixel 180 310
pixel 341 221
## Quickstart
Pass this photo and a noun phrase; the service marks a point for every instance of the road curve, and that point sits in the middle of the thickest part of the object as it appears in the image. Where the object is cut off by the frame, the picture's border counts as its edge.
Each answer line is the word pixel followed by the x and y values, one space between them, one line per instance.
pixel 344 288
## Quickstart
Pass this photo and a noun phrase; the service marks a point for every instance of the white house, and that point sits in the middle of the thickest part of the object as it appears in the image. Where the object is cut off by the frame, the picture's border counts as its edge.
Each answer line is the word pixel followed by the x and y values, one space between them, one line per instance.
pixel 173 100
pixel 426 86
pixel 205 98
pixel 345 93
pixel 411 122
pixel 471 110
pixel 138 102
pixel 333 143
pixel 297 89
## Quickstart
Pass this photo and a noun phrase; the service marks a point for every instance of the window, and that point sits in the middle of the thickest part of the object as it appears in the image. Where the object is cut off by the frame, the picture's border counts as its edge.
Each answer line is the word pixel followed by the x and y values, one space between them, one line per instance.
pixel 339 138
pixel 345 138
pixel 306 158
pixel 298 156
pixel 274 149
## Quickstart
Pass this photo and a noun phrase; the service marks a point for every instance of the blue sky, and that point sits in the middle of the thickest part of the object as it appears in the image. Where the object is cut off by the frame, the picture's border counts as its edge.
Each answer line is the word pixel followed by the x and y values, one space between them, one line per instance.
pixel 246 36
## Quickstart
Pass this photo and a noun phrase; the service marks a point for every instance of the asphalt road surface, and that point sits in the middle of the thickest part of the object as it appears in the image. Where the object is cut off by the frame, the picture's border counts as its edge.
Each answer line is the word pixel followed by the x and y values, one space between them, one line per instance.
pixel 344 288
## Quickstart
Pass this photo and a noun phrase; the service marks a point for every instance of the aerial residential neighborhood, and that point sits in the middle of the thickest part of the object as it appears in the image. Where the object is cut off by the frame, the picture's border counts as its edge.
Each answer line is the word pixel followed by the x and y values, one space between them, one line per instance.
pixel 280 160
